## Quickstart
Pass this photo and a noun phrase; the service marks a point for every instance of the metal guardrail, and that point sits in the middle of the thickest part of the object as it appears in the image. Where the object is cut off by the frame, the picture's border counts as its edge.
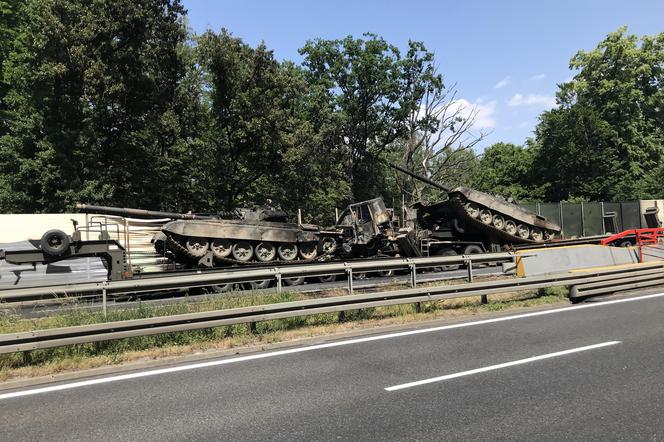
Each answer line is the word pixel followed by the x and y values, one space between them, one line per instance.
pixel 631 282
pixel 209 278
pixel 38 339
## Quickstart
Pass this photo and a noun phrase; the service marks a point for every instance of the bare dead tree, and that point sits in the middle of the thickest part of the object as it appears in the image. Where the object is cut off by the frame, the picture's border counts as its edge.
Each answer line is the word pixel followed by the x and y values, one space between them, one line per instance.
pixel 440 139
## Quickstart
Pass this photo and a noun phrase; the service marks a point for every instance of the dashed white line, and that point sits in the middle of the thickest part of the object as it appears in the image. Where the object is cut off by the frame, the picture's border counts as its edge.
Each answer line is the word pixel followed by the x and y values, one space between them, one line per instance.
pixel 499 366
pixel 146 373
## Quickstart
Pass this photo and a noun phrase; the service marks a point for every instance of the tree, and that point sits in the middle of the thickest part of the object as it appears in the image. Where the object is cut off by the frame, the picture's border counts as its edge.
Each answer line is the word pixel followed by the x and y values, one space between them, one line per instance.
pixel 440 140
pixel 9 13
pixel 253 102
pixel 505 169
pixel 366 91
pixel 96 108
pixel 607 136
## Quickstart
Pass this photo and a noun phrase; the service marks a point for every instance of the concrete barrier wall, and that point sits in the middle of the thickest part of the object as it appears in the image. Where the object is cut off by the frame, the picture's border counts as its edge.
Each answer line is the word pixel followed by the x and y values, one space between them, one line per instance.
pixel 562 259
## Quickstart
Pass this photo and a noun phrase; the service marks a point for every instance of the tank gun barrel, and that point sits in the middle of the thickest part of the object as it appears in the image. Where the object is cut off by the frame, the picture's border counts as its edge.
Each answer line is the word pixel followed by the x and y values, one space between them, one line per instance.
pixel 418 177
pixel 136 213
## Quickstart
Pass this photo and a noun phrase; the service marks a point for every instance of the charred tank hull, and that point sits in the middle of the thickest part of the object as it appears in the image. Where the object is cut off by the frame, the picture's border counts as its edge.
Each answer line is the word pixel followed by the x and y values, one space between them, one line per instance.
pixel 256 234
pixel 500 218
pixel 242 241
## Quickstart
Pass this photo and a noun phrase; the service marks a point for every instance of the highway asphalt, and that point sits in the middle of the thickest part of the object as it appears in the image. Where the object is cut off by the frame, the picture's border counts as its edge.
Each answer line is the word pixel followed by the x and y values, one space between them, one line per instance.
pixel 587 372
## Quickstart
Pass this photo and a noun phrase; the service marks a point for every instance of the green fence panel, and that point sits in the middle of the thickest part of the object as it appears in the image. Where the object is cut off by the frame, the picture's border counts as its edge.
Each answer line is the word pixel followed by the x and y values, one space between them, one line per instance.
pixel 572 220
pixel 550 211
pixel 592 219
pixel 631 218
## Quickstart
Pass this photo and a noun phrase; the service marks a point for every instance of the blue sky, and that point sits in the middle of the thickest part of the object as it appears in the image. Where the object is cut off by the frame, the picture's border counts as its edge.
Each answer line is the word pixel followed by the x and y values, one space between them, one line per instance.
pixel 505 57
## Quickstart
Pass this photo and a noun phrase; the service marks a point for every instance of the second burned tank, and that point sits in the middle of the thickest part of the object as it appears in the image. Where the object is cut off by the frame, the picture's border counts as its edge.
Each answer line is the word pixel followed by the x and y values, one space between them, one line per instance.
pixel 491 216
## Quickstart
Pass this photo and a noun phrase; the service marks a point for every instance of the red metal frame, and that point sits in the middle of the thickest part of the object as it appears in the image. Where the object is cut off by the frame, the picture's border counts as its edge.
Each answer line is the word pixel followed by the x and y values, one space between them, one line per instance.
pixel 643 237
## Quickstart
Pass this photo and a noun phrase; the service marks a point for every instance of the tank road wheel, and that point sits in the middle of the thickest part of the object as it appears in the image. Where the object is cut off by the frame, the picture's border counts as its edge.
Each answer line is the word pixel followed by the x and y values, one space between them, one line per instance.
pixel 510 227
pixel 536 234
pixel 265 251
pixel 472 209
pixel 486 216
pixel 196 247
pixel 242 251
pixel 523 231
pixel 447 267
pixel 308 250
pixel 548 236
pixel 222 248
pixel 329 246
pixel 287 251
pixel 498 222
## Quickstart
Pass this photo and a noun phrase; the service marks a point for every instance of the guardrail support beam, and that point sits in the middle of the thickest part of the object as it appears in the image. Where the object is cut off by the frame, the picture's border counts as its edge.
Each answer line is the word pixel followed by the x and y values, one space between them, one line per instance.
pixel 349 274
pixel 103 299
pixel 413 275
pixel 279 285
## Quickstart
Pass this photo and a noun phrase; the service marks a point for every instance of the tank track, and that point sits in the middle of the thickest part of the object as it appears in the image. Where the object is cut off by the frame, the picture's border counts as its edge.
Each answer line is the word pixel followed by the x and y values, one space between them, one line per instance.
pixel 180 250
pixel 459 208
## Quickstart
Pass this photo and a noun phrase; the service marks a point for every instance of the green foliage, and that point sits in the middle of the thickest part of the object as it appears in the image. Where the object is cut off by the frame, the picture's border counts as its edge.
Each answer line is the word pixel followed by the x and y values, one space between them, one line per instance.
pixel 95 103
pixel 606 138
pixel 505 169
pixel 114 102
pixel 365 90
pixel 252 99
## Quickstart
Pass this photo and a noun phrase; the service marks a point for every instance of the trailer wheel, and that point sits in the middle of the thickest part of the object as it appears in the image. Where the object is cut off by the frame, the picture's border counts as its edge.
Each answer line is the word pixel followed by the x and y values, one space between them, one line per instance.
pixel 327 278
pixel 262 284
pixel 54 242
pixel 293 281
pixel 447 267
pixel 473 249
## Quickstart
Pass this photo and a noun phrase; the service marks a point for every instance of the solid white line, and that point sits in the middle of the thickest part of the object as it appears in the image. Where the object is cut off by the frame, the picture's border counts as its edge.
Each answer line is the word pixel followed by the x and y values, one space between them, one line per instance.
pixel 316 347
pixel 499 366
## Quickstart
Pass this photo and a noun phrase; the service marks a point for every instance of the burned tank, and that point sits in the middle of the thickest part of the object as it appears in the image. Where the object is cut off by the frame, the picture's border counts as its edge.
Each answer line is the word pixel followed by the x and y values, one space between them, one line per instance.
pixel 491 216
pixel 257 234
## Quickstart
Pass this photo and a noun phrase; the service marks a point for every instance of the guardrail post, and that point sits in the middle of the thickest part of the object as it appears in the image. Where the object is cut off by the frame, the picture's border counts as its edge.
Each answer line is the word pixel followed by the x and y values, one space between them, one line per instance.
pixel 349 273
pixel 469 265
pixel 418 307
pixel 413 275
pixel 278 276
pixel 252 327
pixel 484 299
pixel 103 298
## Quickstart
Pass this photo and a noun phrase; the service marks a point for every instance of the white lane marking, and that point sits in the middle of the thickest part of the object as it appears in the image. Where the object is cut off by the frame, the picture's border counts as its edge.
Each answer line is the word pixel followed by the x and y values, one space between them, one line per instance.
pixel 499 366
pixel 315 347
